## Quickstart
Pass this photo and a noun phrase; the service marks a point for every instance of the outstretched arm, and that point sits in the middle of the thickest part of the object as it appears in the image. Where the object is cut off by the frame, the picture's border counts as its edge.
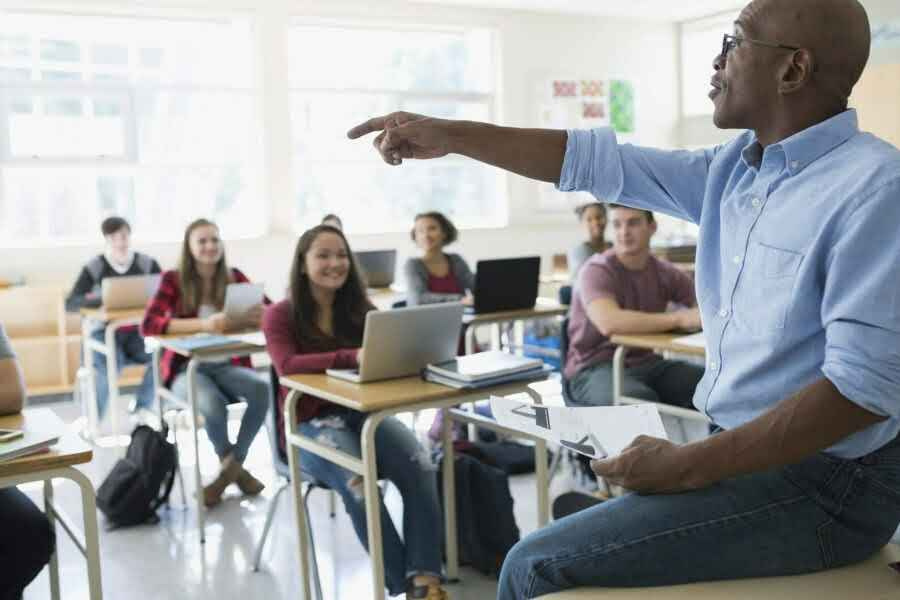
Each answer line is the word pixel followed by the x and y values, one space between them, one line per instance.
pixel 533 153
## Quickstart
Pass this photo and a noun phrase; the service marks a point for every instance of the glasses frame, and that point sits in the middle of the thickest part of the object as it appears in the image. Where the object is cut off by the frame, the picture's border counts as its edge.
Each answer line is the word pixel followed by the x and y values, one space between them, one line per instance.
pixel 730 42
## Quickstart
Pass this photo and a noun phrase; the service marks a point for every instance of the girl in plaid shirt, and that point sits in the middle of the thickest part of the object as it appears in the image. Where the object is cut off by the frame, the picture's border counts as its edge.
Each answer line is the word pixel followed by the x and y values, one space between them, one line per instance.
pixel 191 300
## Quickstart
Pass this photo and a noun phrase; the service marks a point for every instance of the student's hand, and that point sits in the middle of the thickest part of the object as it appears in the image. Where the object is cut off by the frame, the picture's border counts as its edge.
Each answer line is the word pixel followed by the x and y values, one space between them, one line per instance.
pixel 253 317
pixel 688 319
pixel 406 135
pixel 650 466
pixel 217 323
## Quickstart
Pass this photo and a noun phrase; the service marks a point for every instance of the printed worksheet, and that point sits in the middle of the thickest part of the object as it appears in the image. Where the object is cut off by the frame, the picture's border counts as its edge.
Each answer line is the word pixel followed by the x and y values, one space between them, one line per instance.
pixel 598 432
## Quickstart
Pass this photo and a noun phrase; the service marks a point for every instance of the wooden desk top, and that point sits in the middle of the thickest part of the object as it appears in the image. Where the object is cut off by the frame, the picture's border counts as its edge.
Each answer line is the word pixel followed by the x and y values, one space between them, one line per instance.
pixel 543 308
pixel 658 341
pixel 237 348
pixel 380 395
pixel 101 314
pixel 69 450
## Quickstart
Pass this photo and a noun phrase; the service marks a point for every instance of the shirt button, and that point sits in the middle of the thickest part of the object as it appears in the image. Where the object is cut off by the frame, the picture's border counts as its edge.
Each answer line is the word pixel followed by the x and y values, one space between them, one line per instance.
pixel 737 259
pixel 723 313
pixel 713 365
pixel 756 202
pixel 795 164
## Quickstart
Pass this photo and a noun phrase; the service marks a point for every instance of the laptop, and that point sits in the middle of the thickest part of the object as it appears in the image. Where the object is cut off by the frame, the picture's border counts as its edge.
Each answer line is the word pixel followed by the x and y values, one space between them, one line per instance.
pixel 401 342
pixel 128 291
pixel 377 267
pixel 506 284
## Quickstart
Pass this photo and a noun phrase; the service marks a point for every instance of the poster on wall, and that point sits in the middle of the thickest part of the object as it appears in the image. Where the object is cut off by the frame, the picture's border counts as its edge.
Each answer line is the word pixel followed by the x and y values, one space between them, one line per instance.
pixel 575 103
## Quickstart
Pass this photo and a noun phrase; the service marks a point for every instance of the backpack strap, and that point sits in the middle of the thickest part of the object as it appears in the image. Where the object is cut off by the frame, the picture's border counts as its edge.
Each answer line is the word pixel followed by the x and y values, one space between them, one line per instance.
pixel 144 262
pixel 95 267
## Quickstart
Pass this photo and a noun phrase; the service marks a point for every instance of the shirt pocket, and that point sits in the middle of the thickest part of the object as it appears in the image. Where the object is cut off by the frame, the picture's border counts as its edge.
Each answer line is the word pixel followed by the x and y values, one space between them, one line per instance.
pixel 767 286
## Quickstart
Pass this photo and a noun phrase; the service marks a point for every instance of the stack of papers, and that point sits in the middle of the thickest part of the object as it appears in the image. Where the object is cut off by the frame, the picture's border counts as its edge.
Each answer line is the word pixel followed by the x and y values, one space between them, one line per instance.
pixel 484 369
pixel 203 340
pixel 29 443
pixel 597 432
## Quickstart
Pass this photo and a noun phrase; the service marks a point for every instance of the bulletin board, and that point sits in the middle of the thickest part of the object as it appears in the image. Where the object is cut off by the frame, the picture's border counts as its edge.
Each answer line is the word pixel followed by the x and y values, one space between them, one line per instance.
pixel 574 103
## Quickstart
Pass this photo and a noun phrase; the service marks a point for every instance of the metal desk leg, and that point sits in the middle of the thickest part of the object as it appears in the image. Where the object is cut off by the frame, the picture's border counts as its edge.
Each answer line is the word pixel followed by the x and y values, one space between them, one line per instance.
pixel 470 339
pixel 87 353
pixel 91 537
pixel 373 504
pixel 290 420
pixel 54 558
pixel 112 379
pixel 543 482
pixel 198 481
pixel 449 474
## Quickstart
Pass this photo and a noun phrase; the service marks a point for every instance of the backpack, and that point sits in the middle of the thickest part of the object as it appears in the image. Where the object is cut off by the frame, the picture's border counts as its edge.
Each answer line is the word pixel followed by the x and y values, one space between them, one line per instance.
pixel 141 482
pixel 486 526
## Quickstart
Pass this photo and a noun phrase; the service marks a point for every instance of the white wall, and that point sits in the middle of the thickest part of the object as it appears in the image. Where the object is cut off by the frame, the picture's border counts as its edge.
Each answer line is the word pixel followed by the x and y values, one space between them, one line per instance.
pixel 533 46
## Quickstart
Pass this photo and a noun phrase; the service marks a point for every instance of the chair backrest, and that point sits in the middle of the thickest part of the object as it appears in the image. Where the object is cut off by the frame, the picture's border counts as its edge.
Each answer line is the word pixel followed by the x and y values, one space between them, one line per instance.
pixel 279 459
pixel 565 295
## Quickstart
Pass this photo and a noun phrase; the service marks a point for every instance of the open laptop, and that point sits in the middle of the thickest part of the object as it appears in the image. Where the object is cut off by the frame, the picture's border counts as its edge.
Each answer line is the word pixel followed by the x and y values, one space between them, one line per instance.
pixel 401 342
pixel 377 267
pixel 128 291
pixel 506 284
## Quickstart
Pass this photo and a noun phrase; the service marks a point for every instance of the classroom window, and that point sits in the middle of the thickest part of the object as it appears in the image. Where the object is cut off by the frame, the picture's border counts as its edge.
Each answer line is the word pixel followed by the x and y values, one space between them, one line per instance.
pixel 154 119
pixel 341 75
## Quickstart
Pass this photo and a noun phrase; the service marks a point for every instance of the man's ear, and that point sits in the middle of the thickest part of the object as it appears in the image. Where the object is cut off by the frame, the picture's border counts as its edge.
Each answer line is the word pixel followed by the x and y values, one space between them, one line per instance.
pixel 796 74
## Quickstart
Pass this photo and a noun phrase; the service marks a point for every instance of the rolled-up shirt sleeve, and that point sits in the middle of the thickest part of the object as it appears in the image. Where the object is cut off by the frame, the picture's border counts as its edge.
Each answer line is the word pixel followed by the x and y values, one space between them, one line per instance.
pixel 861 307
pixel 668 181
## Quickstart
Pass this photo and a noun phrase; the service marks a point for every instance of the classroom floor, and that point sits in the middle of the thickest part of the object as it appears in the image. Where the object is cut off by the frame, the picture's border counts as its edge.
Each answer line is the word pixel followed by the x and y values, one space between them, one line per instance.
pixel 167 561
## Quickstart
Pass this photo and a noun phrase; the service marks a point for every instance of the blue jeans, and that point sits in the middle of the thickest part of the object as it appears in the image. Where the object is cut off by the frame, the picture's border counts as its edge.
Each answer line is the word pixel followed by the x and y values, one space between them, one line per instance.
pixel 129 351
pixel 822 513
pixel 221 384
pixel 402 461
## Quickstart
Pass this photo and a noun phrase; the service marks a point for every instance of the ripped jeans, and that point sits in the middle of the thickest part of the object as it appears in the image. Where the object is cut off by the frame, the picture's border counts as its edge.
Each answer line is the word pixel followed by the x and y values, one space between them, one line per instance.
pixel 403 462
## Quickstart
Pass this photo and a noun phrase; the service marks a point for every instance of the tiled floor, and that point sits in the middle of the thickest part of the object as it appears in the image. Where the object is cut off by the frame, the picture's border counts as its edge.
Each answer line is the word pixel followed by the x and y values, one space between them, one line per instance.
pixel 166 560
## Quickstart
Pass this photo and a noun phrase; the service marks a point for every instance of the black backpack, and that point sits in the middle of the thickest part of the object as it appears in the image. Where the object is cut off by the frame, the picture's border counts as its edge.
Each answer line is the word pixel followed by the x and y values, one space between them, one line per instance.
pixel 485 525
pixel 141 482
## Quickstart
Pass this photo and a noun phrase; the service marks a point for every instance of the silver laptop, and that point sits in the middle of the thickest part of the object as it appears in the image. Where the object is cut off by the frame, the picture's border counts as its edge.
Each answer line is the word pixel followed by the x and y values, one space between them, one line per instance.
pixel 401 342
pixel 377 266
pixel 128 291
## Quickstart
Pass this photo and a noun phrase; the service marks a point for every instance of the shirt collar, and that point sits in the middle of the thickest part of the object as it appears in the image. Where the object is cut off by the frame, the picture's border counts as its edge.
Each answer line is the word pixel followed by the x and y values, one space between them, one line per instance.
pixel 805 147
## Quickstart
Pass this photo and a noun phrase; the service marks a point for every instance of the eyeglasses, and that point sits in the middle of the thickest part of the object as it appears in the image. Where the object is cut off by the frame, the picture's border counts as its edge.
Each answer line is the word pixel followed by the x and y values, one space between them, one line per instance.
pixel 730 42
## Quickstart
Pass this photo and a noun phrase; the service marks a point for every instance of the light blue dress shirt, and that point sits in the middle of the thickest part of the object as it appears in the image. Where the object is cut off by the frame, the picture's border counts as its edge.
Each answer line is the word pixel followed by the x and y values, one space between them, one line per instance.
pixel 798 261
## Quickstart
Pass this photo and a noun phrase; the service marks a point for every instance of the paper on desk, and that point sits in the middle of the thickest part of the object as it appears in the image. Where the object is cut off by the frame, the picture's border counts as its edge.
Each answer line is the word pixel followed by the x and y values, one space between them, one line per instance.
pixel 597 432
pixel 695 339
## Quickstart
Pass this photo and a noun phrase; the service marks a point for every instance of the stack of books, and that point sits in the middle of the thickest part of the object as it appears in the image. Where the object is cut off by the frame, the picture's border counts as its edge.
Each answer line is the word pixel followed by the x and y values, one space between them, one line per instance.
pixel 485 369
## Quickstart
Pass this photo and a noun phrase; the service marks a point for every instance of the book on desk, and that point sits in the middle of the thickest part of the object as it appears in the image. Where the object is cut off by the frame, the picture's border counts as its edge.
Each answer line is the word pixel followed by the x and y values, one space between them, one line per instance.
pixel 485 369
pixel 31 442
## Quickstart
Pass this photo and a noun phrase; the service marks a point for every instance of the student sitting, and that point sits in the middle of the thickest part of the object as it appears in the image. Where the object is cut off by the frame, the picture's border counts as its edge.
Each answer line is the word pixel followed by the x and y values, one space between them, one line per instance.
pixel 627 290
pixel 320 326
pixel 190 300
pixel 26 537
pixel 437 276
pixel 333 220
pixel 592 217
pixel 118 260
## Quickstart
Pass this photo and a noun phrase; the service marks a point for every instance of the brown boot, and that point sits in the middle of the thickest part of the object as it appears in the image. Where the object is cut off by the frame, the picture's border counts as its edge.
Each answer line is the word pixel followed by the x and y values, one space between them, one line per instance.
pixel 250 485
pixel 228 474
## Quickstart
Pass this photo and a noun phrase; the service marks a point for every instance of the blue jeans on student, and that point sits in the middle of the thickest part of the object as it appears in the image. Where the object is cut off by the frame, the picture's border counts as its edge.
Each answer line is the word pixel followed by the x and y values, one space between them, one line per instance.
pixel 221 384
pixel 822 513
pixel 667 381
pixel 129 351
pixel 402 461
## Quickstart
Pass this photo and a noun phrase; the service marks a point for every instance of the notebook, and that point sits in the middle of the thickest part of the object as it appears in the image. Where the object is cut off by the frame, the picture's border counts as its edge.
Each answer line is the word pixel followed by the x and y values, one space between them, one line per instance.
pixel 201 341
pixel 541 372
pixel 29 443
pixel 484 365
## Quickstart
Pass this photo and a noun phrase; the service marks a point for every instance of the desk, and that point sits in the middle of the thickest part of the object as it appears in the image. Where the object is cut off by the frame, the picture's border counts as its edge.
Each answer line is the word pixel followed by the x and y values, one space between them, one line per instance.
pixel 195 358
pixel 47 466
pixel 658 342
pixel 115 320
pixel 380 400
pixel 544 308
